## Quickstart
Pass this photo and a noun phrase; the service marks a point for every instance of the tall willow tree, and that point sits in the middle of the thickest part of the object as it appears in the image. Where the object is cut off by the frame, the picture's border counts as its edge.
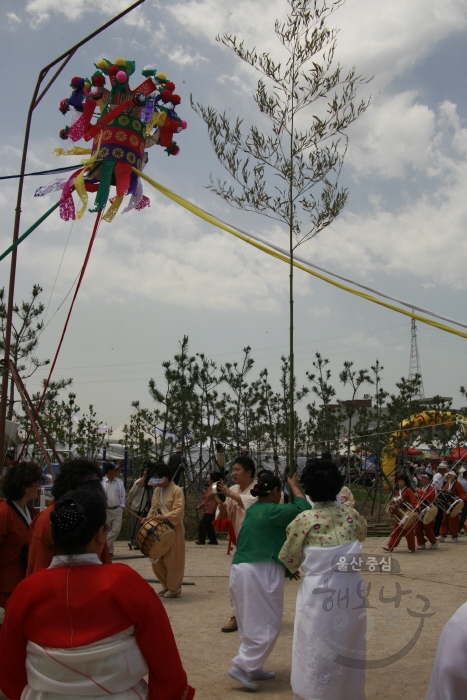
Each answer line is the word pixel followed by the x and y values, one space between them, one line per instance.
pixel 290 171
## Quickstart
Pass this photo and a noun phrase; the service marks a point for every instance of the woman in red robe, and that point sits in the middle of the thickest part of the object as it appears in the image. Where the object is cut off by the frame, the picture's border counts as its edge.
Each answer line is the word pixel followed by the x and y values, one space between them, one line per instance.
pixel 20 485
pixel 451 524
pixel 406 495
pixel 83 628
pixel 78 473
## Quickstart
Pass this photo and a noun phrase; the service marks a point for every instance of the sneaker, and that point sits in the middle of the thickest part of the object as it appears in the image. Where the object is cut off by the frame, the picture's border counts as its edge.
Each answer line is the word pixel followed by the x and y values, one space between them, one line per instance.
pixel 199 542
pixel 241 677
pixel 433 545
pixel 421 546
pixel 441 538
pixel 455 540
pixel 169 594
pixel 231 626
pixel 262 675
pixel 162 591
pixel 387 549
pixel 411 551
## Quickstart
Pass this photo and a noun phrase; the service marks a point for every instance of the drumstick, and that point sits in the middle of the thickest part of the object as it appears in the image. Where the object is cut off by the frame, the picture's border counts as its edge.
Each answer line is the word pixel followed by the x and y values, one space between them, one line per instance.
pixel 132 513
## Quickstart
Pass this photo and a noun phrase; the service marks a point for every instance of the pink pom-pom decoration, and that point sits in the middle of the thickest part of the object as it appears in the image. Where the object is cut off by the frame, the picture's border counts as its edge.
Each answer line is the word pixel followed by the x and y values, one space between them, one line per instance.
pixel 184 124
pixel 121 77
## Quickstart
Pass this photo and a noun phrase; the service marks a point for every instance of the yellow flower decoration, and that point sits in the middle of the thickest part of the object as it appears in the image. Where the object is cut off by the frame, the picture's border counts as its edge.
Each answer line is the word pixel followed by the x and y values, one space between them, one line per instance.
pixel 106 135
pixel 120 61
pixel 136 125
pixel 135 140
pixel 104 152
pixel 121 136
pixel 123 120
pixel 118 153
pixel 138 164
pixel 131 157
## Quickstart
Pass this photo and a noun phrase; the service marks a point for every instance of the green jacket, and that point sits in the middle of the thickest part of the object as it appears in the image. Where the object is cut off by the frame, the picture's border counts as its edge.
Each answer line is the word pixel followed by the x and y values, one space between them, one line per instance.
pixel 262 534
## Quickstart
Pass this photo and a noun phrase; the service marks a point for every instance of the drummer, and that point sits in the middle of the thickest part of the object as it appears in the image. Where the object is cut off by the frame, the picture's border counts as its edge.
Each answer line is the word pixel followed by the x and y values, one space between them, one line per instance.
pixel 451 524
pixel 405 495
pixel 168 505
pixel 424 532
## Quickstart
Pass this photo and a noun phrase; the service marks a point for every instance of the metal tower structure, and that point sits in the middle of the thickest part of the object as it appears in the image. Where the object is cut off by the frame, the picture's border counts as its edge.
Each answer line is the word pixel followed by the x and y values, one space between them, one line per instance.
pixel 414 365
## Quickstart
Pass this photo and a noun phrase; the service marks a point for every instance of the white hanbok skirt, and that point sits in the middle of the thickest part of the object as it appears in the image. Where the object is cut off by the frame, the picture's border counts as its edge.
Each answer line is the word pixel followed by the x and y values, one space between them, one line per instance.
pixel 329 647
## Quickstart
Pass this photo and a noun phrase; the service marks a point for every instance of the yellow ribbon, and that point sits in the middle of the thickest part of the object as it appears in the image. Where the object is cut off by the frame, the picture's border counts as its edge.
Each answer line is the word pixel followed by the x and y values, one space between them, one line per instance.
pixel 285 258
pixel 157 120
pixel 79 182
pixel 75 151
pixel 113 209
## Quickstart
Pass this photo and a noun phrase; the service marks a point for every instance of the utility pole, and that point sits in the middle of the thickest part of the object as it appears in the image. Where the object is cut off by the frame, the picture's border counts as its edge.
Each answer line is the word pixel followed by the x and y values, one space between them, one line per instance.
pixel 414 365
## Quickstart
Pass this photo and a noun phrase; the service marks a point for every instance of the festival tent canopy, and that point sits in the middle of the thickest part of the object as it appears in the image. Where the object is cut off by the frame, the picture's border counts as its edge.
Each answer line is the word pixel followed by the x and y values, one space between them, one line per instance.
pixel 457 453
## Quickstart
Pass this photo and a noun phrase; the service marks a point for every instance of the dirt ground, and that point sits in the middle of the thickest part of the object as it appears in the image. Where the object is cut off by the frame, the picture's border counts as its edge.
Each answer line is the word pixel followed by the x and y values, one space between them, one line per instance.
pixel 429 582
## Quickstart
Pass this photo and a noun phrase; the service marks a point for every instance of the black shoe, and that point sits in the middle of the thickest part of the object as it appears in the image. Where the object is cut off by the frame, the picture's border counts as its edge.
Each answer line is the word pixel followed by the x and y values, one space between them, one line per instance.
pixel 213 542
pixel 199 542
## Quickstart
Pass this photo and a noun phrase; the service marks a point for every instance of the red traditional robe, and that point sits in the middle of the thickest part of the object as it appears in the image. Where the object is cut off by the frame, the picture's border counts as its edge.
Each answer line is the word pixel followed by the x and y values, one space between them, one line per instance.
pixel 450 524
pixel 14 540
pixel 426 531
pixel 73 606
pixel 407 496
pixel 41 545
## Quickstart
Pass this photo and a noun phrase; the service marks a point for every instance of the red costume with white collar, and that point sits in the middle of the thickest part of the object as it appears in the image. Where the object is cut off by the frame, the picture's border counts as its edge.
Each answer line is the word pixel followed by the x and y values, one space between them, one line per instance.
pixel 423 531
pixel 450 524
pixel 407 496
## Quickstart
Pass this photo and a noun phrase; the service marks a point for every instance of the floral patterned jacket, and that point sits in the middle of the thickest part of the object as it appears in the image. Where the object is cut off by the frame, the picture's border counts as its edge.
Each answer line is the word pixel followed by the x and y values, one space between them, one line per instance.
pixel 325 525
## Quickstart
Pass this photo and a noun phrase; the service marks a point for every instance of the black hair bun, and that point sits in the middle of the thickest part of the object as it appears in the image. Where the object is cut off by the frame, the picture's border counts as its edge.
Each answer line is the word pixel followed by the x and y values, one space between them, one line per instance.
pixel 68 518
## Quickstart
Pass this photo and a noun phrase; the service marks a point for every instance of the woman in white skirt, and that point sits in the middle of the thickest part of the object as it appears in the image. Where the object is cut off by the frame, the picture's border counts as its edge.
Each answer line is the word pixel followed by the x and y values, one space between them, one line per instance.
pixel 257 577
pixel 328 656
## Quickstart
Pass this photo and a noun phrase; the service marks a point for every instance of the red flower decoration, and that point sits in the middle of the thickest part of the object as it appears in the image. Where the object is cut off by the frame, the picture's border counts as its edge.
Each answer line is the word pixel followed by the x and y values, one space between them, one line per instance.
pixel 350 520
pixel 317 526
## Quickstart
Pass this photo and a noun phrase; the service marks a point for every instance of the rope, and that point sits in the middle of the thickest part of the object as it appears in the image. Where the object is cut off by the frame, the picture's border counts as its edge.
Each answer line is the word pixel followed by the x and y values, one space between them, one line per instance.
pixel 83 270
pixel 41 172
pixel 278 253
pixel 30 230
pixel 59 268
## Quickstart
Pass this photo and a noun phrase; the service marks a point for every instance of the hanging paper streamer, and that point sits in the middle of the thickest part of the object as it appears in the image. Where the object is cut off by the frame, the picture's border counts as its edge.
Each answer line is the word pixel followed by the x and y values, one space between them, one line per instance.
pixel 129 121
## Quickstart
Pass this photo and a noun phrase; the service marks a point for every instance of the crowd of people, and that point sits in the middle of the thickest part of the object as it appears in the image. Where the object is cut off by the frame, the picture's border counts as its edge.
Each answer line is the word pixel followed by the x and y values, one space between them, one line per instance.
pixel 109 630
pixel 443 494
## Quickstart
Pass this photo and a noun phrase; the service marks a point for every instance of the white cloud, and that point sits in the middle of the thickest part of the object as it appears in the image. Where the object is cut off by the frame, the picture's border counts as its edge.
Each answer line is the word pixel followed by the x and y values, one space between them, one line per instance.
pixel 424 238
pixel 381 38
pixel 13 18
pixel 184 57
pixel 165 253
pixel 362 339
pixel 40 11
pixel 396 132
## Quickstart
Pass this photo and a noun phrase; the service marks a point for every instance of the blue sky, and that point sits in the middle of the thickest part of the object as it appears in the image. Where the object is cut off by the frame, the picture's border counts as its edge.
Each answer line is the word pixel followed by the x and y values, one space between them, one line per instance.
pixel 159 274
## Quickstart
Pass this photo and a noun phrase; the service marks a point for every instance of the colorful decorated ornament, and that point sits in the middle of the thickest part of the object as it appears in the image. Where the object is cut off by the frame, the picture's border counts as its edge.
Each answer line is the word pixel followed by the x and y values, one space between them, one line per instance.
pixel 128 122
